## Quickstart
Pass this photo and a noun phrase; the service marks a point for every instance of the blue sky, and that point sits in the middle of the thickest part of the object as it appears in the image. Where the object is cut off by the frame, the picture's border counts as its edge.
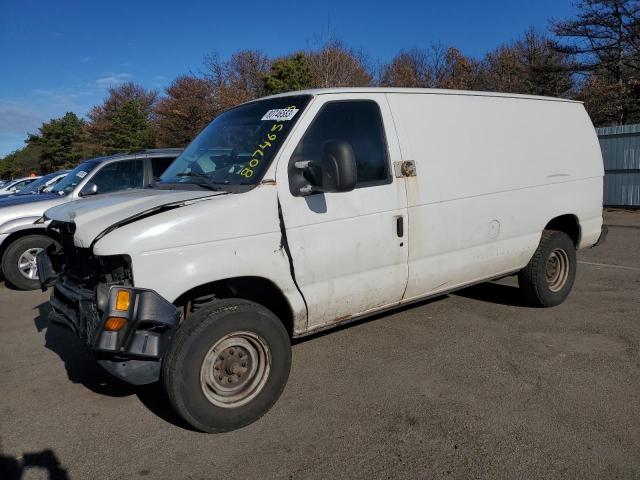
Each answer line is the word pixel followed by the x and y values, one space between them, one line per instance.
pixel 62 56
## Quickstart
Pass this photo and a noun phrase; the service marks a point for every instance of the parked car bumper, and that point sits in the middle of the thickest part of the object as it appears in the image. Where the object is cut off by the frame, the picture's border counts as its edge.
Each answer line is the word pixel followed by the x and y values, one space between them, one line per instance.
pixel 132 353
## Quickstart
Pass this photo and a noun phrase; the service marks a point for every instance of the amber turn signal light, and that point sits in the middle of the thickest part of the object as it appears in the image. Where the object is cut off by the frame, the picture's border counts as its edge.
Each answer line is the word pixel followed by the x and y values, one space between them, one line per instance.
pixel 115 324
pixel 123 300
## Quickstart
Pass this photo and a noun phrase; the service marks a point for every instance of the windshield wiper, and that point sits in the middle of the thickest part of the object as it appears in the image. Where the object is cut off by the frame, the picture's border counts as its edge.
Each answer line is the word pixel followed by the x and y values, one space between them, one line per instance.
pixel 206 181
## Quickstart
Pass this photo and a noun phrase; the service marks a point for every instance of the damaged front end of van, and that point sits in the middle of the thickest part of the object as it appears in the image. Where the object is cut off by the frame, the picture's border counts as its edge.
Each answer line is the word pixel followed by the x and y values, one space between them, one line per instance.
pixel 127 328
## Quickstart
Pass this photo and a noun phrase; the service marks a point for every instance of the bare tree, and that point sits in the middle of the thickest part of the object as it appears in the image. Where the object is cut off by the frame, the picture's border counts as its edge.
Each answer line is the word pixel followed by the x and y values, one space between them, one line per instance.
pixel 188 106
pixel 409 68
pixel 437 67
pixel 456 71
pixel 531 65
pixel 335 65
pixel 605 38
pixel 238 79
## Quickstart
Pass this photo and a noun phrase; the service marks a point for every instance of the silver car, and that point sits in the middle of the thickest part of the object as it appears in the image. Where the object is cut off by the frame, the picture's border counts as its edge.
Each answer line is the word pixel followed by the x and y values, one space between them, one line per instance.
pixel 15 186
pixel 41 185
pixel 22 231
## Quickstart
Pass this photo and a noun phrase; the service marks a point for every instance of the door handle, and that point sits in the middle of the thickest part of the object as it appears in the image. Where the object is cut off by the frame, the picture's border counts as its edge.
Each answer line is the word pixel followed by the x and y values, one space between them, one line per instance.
pixel 400 226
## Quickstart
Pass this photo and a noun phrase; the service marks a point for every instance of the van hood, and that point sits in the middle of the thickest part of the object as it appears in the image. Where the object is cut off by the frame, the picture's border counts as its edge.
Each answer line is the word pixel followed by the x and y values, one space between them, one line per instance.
pixel 96 216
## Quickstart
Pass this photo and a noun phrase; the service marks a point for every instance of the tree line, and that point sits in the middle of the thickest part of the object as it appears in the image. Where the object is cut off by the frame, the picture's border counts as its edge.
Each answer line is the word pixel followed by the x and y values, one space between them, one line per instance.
pixel 594 57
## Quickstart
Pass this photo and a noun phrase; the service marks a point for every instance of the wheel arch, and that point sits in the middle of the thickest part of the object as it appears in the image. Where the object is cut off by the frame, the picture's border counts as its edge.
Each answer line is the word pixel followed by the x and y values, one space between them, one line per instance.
pixel 256 289
pixel 17 234
pixel 567 223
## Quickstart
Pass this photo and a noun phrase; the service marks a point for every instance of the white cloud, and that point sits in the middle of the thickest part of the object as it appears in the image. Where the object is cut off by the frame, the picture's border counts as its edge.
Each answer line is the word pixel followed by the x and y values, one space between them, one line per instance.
pixel 88 58
pixel 112 79
pixel 70 98
pixel 16 118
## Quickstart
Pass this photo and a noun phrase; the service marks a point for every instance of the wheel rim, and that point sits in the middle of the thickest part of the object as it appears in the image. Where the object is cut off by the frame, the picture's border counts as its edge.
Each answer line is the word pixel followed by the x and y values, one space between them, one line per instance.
pixel 27 265
pixel 557 270
pixel 235 369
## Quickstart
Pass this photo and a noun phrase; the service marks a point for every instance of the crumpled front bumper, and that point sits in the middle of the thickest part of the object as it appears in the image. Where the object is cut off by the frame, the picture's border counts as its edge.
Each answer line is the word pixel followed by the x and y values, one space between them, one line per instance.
pixel 135 352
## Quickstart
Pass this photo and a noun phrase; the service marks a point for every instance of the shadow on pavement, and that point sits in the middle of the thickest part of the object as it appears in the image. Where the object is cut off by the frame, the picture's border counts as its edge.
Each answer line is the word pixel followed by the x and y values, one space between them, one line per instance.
pixel 82 368
pixel 12 468
pixel 493 293
pixel 7 285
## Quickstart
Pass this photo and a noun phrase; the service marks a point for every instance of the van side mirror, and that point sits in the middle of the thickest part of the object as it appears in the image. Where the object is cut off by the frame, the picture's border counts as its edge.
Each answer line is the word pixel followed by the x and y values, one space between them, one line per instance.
pixel 89 189
pixel 335 172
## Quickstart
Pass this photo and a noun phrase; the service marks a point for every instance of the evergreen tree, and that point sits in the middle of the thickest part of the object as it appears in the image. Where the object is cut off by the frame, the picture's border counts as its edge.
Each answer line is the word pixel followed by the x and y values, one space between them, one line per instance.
pixel 288 74
pixel 59 142
pixel 130 128
pixel 21 163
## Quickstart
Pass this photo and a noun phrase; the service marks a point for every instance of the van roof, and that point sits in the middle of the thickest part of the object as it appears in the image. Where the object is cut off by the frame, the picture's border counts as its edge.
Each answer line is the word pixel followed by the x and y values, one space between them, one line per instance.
pixel 428 91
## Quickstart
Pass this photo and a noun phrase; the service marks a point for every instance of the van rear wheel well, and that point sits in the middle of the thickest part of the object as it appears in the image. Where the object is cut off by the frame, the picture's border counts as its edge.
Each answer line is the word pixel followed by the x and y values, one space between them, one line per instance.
pixel 568 224
pixel 255 289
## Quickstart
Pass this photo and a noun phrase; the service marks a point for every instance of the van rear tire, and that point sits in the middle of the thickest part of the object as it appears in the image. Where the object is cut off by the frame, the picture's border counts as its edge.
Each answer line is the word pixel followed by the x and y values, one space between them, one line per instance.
pixel 547 279
pixel 227 365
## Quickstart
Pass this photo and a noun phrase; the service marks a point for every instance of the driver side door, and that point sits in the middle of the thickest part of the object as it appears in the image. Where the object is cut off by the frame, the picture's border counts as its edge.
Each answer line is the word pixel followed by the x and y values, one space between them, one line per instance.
pixel 348 249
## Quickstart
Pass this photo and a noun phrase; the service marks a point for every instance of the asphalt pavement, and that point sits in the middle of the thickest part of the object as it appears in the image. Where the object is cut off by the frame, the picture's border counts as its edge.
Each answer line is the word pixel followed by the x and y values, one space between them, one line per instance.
pixel 469 385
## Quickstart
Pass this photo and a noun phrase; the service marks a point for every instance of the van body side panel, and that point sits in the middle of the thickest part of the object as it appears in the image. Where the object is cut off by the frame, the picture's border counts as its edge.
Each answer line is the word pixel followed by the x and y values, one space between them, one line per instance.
pixel 225 237
pixel 491 173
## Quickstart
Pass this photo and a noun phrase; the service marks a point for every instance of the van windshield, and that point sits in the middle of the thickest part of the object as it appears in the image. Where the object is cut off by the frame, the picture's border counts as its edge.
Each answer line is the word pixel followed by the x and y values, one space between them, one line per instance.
pixel 236 149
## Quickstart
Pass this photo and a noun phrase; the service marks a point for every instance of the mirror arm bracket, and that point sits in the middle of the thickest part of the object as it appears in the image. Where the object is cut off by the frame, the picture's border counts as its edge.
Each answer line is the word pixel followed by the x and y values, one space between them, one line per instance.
pixel 302 164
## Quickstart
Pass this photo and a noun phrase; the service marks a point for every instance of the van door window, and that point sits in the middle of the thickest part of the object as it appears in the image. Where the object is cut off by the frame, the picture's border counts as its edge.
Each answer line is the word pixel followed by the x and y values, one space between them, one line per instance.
pixel 118 176
pixel 358 122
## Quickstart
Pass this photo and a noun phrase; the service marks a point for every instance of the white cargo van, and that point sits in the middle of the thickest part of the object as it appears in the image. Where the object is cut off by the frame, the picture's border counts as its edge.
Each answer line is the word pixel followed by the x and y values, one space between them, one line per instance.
pixel 297 212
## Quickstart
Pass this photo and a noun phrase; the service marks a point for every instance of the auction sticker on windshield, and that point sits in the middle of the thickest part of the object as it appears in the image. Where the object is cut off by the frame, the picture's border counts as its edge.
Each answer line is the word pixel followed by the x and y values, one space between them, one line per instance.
pixel 81 174
pixel 280 114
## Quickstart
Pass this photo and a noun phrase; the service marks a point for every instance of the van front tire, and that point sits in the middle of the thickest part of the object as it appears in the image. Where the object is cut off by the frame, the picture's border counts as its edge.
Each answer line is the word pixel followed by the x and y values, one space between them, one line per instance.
pixel 548 277
pixel 18 261
pixel 227 365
